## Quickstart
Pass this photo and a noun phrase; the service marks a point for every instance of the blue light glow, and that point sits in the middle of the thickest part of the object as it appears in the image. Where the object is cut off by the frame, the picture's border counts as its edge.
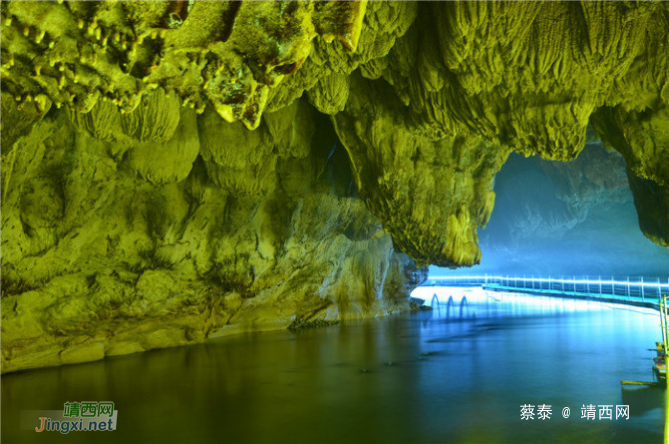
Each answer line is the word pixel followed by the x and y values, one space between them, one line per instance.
pixel 492 279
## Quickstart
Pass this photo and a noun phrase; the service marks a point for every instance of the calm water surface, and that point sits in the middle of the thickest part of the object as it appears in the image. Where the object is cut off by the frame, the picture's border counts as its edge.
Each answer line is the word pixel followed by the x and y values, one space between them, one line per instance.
pixel 457 374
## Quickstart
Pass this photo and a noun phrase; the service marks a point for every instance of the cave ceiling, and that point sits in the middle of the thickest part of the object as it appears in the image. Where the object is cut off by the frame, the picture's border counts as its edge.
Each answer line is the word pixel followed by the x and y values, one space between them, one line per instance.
pixel 428 98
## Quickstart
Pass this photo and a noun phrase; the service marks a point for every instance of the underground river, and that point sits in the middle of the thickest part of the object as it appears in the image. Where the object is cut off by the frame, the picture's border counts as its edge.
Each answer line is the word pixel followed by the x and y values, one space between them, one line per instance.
pixel 456 374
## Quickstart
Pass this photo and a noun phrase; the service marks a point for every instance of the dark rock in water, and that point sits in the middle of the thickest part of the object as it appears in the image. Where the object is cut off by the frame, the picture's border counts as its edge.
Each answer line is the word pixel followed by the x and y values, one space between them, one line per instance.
pixel 417 304
pixel 301 324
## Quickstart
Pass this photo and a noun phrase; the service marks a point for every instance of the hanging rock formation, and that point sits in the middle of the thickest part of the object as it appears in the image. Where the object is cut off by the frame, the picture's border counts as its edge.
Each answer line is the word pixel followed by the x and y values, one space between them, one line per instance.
pixel 169 174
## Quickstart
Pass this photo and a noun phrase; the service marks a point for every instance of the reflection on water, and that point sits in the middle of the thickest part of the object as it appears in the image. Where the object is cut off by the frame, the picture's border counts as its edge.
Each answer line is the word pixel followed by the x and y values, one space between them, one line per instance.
pixel 456 374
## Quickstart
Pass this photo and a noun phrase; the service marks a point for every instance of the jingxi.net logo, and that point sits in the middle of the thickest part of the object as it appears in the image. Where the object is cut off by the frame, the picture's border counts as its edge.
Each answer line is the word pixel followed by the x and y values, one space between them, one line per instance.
pixel 76 416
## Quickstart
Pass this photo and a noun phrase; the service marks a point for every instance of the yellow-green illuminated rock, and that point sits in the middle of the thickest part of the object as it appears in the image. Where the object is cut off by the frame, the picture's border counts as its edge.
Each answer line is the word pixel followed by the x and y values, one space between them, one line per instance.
pixel 122 245
pixel 170 172
pixel 429 194
pixel 471 81
pixel 227 53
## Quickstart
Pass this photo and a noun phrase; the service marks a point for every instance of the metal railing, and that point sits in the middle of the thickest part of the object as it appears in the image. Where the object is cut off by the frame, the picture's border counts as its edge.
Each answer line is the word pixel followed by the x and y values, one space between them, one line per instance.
pixel 644 289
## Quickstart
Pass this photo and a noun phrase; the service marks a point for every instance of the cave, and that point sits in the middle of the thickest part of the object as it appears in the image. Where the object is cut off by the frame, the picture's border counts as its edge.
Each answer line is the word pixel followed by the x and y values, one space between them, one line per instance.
pixel 334 221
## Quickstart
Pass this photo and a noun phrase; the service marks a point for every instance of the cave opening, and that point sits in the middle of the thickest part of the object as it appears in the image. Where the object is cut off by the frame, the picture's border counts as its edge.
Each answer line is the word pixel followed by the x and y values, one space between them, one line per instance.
pixel 565 220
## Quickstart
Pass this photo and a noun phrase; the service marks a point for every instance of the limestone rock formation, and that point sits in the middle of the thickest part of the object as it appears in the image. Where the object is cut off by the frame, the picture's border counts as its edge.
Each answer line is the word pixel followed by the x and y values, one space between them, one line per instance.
pixel 170 170
pixel 422 189
pixel 494 77
pixel 642 139
pixel 110 250
pixel 227 53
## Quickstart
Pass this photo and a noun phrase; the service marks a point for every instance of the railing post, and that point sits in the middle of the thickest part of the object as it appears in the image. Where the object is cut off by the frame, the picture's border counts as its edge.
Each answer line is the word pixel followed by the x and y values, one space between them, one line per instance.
pixel 600 285
pixel 659 288
pixel 629 292
pixel 574 282
pixel 643 297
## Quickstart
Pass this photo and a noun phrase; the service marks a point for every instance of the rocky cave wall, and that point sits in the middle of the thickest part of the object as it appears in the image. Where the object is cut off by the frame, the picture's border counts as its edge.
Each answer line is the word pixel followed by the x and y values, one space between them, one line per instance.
pixel 169 175
pixel 117 246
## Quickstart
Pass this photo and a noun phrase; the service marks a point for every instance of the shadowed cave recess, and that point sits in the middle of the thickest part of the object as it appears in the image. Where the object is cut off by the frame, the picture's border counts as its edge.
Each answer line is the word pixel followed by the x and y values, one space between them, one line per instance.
pixel 179 171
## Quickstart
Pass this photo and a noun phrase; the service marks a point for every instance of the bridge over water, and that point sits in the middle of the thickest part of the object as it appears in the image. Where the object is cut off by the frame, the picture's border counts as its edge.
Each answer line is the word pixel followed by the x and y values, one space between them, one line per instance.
pixel 634 290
